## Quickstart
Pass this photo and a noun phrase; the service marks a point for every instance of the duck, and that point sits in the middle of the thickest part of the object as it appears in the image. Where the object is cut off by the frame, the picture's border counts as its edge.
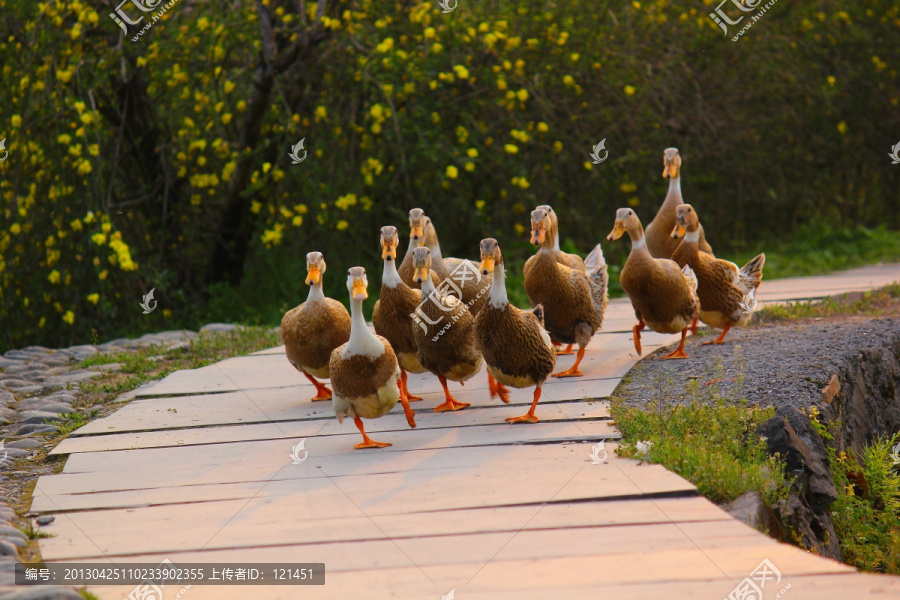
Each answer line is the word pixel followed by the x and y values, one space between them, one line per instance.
pixel 724 290
pixel 311 330
pixel 516 348
pixel 659 243
pixel 416 240
pixel 444 333
pixel 364 371
pixel 573 261
pixel 663 295
pixel 574 300
pixel 461 276
pixel 393 313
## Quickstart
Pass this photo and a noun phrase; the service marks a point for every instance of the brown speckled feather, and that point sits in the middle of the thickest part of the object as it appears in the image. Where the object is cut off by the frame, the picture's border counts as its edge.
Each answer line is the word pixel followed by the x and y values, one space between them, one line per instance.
pixel 511 342
pixel 452 353
pixel 360 377
pixel 659 293
pixel 391 316
pixel 312 330
pixel 565 294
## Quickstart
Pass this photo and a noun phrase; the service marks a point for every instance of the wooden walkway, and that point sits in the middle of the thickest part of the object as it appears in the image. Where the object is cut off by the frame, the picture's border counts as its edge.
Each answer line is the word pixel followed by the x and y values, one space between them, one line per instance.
pixel 197 469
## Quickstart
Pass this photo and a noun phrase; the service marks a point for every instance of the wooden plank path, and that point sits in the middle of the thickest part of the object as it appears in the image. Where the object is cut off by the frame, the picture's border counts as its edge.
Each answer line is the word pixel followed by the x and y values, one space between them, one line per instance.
pixel 197 468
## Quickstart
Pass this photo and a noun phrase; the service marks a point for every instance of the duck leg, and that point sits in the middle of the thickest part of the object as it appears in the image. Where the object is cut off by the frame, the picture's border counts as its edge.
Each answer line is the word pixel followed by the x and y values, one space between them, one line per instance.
pixel 573 370
pixel 679 351
pixel 322 392
pixel 637 336
pixel 693 326
pixel 404 391
pixel 720 339
pixel 451 403
pixel 367 441
pixel 497 389
pixel 565 352
pixel 410 415
pixel 529 417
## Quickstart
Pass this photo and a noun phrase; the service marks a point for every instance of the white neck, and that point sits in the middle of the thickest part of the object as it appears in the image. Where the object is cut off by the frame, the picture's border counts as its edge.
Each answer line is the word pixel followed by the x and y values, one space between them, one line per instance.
pixel 556 240
pixel 636 244
pixel 675 185
pixel 361 339
pixel 427 286
pixel 315 293
pixel 389 276
pixel 692 236
pixel 498 298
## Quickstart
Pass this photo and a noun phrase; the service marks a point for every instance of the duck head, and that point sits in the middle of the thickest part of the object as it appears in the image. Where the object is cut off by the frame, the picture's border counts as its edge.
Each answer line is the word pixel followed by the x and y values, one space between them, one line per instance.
pixel 541 224
pixel 626 220
pixel 490 255
pixel 390 239
pixel 671 163
pixel 417 222
pixel 421 264
pixel 685 220
pixel 315 267
pixel 357 284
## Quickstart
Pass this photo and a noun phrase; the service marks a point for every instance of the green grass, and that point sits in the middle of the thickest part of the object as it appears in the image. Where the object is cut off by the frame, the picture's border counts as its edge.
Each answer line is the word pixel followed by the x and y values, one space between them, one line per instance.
pixel 72 421
pixel 866 515
pixel 709 442
pixel 874 303
pixel 87 595
pixel 33 534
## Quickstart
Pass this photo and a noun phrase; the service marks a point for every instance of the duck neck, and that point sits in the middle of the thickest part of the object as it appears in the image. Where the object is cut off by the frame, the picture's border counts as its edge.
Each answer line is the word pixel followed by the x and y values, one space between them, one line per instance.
pixel 427 286
pixel 638 243
pixel 431 241
pixel 361 339
pixel 673 198
pixel 498 297
pixel 555 235
pixel 389 276
pixel 315 293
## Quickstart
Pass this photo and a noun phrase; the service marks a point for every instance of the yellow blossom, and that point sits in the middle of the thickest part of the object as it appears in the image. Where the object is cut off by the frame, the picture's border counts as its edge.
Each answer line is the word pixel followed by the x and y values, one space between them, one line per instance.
pixel 69 317
pixel 629 90
pixel 53 277
pixel 342 225
pixel 511 148
pixel 93 298
pixel 452 172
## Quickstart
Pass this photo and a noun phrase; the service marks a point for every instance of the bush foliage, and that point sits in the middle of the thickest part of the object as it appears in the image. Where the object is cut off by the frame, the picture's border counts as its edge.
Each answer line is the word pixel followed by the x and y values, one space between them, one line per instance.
pixel 163 162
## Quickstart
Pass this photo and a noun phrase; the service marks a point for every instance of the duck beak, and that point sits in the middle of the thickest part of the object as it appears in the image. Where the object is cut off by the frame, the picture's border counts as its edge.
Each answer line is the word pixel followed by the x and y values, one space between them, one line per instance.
pixel 487 265
pixel 313 275
pixel 617 231
pixel 416 232
pixel 670 170
pixel 678 232
pixel 358 290
pixel 388 251
pixel 537 236
pixel 422 273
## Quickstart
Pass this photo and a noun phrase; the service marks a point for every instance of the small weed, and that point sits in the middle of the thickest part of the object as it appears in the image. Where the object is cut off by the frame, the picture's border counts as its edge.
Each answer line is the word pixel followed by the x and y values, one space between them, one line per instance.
pixel 33 534
pixel 72 421
pixel 87 595
pixel 874 303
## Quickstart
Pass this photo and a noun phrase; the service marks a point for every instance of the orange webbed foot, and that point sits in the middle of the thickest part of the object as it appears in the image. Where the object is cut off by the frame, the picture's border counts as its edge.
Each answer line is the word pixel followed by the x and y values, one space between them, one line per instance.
pixel 679 351
pixel 498 389
pixel 573 370
pixel 451 404
pixel 565 352
pixel 523 419
pixel 370 443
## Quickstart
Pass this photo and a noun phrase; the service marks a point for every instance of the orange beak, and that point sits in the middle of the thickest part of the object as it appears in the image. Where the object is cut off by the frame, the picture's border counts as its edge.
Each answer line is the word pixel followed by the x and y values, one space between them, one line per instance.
pixel 416 231
pixel 388 251
pixel 538 234
pixel 617 232
pixel 670 171
pixel 358 290
pixel 422 273
pixel 678 231
pixel 487 265
pixel 313 275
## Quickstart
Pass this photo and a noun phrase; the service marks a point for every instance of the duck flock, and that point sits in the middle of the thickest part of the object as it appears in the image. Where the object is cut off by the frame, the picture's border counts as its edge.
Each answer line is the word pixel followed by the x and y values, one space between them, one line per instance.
pixel 448 315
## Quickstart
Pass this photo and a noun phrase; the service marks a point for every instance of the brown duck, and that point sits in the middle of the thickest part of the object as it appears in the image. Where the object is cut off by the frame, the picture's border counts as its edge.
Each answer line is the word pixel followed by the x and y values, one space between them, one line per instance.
pixel 574 300
pixel 313 329
pixel 516 348
pixel 416 240
pixel 392 317
pixel 663 295
pixel 659 240
pixel 364 371
pixel 726 293
pixel 445 334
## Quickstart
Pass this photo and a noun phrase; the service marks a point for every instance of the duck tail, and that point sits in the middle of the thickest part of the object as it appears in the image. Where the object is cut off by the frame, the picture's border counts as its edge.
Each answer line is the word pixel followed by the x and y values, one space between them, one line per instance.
pixel 538 311
pixel 598 278
pixel 751 274
pixel 691 278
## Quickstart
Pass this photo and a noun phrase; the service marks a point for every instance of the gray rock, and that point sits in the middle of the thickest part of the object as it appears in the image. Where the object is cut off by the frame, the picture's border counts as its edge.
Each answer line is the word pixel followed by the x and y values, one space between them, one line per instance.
pixel 218 327
pixel 71 377
pixel 17 355
pixel 36 416
pixel 751 509
pixel 46 593
pixel 35 389
pixel 54 361
pixel 37 349
pixel 7 415
pixel 7 514
pixel 7 549
pixel 18 367
pixel 24 444
pixel 16 453
pixel 45 519
pixel 35 428
pixel 6 363
pixel 15 541
pixel 83 349
pixel 11 532
pixel 12 384
pixel 6 397
pixel 44 405
pixel 115 342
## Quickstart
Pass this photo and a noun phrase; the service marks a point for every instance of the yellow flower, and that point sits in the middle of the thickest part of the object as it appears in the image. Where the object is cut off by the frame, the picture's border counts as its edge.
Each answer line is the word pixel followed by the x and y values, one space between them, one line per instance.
pixel 102 275
pixel 461 71
pixel 93 298
pixel 568 80
pixel 99 238
pixel 479 204
pixel 15 229
pixel 16 121
pixel 226 118
pixel 429 33
pixel 202 23
pixel 842 127
pixel 511 148
pixel 342 225
pixel 470 166
pixel 229 86
pixel 472 153
pixel 557 147
pixel 452 172
pixel 321 113
pixel 64 139
pixel 69 317
pixel 53 277
pixel 542 127
pixel 241 106
pixel 522 95
pixel 574 57
pixel 588 165
pixel 831 81
pixel 629 90
pixel 87 118
pixel 628 188
pixel 520 229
